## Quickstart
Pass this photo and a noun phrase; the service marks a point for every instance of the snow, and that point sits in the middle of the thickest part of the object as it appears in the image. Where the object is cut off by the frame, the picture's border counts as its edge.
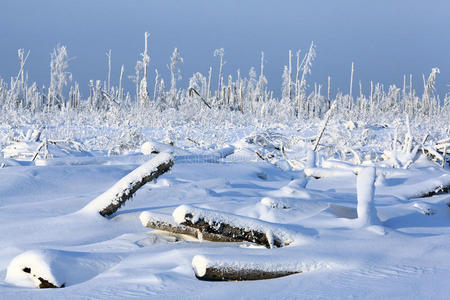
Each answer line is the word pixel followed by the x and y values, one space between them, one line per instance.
pixel 49 222
pixel 366 214
pixel 327 172
pixel 119 258
pixel 57 267
pixel 148 216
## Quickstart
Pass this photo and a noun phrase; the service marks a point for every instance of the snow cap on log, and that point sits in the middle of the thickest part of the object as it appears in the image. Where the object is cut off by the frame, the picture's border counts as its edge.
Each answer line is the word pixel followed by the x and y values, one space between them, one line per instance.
pixel 166 223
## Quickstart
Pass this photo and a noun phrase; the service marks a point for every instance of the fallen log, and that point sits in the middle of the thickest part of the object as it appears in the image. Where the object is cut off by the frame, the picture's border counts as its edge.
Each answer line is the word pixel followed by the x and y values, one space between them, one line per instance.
pixel 225 227
pixel 228 268
pixel 426 188
pixel 430 187
pixel 110 201
pixel 167 223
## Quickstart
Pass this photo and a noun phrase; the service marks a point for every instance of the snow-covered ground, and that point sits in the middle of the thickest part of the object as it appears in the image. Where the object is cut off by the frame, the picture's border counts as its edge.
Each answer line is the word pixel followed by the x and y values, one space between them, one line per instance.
pixel 334 184
pixel 345 243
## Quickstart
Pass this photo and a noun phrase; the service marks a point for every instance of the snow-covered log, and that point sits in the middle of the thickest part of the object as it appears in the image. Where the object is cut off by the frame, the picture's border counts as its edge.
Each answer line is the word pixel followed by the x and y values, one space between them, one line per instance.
pixel 111 200
pixel 225 227
pixel 166 223
pixel 365 188
pixel 230 268
pixel 429 187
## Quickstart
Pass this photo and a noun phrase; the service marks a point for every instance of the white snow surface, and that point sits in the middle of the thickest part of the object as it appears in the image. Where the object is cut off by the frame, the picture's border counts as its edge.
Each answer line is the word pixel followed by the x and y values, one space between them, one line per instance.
pixel 43 226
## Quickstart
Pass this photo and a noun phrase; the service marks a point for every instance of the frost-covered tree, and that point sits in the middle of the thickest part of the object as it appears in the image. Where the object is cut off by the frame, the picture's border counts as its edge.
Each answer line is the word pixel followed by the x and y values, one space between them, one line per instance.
pixel 199 83
pixel 175 75
pixel 306 67
pixel 59 77
pixel 262 81
pixel 285 89
pixel 143 91
pixel 220 53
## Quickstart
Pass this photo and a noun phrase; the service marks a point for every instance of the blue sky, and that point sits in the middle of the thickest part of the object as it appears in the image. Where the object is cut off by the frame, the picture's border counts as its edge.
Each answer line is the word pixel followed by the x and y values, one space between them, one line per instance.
pixel 385 39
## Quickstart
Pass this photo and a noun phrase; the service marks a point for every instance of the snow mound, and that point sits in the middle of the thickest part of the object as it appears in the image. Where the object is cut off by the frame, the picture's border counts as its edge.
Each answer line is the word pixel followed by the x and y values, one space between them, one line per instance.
pixel 57 268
